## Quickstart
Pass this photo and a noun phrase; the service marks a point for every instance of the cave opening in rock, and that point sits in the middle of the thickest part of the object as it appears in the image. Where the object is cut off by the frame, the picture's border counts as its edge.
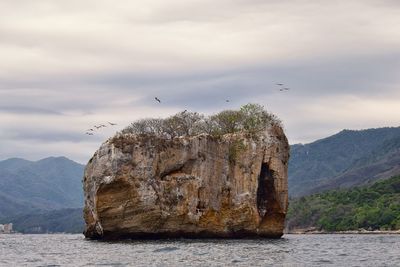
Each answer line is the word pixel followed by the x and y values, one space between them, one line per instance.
pixel 266 199
pixel 113 202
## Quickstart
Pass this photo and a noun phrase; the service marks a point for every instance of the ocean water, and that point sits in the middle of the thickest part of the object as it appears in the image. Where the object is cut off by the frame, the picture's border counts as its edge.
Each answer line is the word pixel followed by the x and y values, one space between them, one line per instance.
pixel 291 250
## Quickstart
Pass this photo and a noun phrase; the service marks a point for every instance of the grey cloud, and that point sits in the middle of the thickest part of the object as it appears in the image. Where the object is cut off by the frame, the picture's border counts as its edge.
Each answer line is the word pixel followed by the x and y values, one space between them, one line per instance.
pixel 70 64
pixel 24 133
pixel 28 110
pixel 364 76
pixel 48 136
pixel 368 75
pixel 308 73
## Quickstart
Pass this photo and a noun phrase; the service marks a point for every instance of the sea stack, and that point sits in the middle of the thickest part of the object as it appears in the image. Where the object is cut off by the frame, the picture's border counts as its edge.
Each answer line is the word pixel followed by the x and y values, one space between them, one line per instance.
pixel 201 186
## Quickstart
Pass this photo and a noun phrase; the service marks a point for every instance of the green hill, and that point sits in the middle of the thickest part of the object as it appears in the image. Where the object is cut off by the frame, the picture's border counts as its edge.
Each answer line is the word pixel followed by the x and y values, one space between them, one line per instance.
pixel 347 159
pixel 371 207
pixel 47 184
pixel 57 221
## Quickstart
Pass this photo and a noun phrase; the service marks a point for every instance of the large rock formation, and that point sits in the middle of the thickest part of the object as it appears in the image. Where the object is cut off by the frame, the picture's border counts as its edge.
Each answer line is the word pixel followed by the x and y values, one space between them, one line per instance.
pixel 141 186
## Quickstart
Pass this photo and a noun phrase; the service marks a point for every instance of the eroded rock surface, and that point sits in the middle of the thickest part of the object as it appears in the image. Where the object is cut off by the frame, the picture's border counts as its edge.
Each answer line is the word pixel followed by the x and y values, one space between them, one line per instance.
pixel 201 186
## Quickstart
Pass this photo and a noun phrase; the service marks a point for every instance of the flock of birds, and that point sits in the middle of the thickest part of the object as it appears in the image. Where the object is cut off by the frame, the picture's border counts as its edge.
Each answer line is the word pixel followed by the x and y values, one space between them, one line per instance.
pixel 281 88
pixel 91 131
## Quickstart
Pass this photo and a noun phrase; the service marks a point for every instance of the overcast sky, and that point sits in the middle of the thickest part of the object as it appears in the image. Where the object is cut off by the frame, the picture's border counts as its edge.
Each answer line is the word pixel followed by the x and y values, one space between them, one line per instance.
pixel 66 65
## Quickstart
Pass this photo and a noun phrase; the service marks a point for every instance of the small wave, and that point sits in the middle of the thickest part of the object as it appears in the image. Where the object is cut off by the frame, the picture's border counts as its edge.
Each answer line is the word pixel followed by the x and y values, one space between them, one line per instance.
pixel 166 249
pixel 200 253
pixel 324 261
pixel 111 264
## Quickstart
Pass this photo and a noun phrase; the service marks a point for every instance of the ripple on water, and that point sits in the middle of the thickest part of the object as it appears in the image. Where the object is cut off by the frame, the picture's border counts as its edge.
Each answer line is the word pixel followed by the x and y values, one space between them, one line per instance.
pixel 111 264
pixel 166 249
pixel 324 261
pixel 293 250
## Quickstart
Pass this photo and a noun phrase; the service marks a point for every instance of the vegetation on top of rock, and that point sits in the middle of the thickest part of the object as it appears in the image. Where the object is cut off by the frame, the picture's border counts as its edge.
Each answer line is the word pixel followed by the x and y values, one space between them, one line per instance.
pixel 374 207
pixel 250 118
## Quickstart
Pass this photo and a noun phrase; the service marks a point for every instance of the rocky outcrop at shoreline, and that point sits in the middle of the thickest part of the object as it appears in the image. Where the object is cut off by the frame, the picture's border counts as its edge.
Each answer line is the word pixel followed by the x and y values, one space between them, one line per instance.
pixel 144 186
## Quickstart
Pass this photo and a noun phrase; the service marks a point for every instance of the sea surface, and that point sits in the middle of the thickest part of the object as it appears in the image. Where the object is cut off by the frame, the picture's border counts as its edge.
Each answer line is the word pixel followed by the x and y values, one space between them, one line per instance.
pixel 291 250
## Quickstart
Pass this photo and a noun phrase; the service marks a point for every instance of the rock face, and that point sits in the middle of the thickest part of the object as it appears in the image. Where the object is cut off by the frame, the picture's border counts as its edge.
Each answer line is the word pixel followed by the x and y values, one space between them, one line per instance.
pixel 201 186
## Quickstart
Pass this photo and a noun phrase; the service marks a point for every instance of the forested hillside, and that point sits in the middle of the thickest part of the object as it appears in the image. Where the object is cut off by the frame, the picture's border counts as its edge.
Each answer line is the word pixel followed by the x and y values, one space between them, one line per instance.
pixel 347 159
pixel 47 184
pixel 373 207
pixel 57 221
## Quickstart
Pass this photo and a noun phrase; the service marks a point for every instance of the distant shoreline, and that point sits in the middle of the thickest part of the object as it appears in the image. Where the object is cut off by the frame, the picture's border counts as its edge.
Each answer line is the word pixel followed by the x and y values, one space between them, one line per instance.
pixel 362 231
pixel 288 233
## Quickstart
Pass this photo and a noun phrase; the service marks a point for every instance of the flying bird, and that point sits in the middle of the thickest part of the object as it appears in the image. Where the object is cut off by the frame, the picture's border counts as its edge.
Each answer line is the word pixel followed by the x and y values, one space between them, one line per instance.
pixel 102 125
pixel 112 124
pixel 280 84
pixel 89 133
pixel 227 100
pixel 90 130
pixel 158 100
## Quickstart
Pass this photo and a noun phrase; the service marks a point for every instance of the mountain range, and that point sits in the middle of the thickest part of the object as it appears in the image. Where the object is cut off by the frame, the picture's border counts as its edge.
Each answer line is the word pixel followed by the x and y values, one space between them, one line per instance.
pixel 41 196
pixel 347 159
pixel 31 186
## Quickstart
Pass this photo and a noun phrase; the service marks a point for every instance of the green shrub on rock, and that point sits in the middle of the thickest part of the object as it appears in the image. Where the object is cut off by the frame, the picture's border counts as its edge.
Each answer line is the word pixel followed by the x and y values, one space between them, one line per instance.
pixel 251 118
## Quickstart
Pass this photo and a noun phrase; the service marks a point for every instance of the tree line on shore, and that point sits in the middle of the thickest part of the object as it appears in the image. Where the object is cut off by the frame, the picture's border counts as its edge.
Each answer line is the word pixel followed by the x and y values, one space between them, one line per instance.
pixel 373 207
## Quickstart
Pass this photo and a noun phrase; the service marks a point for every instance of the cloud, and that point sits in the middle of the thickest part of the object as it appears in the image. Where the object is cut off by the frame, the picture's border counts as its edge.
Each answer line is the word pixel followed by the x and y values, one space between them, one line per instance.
pixel 67 65
pixel 27 110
